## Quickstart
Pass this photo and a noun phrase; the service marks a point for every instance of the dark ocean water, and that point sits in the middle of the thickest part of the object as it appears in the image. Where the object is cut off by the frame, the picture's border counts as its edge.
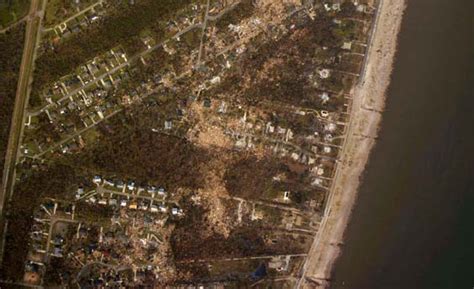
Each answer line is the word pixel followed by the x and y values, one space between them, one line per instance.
pixel 413 224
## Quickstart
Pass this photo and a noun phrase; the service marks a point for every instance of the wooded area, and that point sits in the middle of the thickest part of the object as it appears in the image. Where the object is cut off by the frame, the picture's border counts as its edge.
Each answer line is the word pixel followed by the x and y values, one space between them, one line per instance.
pixel 51 181
pixel 128 150
pixel 252 178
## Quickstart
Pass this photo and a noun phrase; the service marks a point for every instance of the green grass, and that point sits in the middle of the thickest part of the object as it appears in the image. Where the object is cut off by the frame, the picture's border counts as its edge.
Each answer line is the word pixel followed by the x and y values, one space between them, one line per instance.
pixel 12 10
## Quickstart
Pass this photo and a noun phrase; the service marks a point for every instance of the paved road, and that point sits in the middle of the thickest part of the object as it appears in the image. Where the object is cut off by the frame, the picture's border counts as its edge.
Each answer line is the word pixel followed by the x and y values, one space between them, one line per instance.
pixel 90 7
pixel 13 25
pixel 133 58
pixel 303 281
pixel 241 258
pixel 24 79
pixel 117 68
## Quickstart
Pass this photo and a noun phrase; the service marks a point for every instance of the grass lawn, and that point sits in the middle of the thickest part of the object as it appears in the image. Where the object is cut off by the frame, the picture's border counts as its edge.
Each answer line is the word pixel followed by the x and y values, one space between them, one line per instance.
pixel 12 10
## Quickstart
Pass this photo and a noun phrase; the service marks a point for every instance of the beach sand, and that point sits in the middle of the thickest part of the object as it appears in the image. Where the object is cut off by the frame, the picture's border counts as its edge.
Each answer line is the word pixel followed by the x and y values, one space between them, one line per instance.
pixel 368 103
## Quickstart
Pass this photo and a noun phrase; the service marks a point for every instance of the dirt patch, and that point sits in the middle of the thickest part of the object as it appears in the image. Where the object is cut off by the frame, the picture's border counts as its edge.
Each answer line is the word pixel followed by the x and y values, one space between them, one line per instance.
pixel 206 132
pixel 212 192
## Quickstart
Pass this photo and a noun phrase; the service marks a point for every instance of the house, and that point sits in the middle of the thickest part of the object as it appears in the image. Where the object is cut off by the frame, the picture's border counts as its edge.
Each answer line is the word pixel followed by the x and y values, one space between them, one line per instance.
pixel 276 264
pixel 295 156
pixel 347 46
pixel 269 128
pixel 327 149
pixel 317 182
pixel 133 205
pixel 176 211
pixel 83 232
pixel 361 8
pixel 153 208
pixel 324 97
pixel 207 103
pixel 163 208
pixel 108 182
pixel 330 127
pixel 320 171
pixel 161 192
pixel 32 266
pixel 102 202
pixel 97 180
pixel 123 203
pixel 281 130
pixel 328 137
pixel 324 73
pixel 69 209
pixel 131 185
pixel 216 80
pixel 120 185
pixel 222 107
pixel 112 202
pixel 58 241
pixel 144 206
pixel 57 251
pixel 286 195
pixel 65 149
pixel 168 125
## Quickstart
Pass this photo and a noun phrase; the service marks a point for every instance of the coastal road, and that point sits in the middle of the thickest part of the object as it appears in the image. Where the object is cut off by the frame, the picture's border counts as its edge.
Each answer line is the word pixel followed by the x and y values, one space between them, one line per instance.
pixel 310 271
pixel 24 79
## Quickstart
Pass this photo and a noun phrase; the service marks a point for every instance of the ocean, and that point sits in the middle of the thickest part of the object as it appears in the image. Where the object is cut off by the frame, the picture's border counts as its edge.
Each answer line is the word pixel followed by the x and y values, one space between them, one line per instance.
pixel 413 223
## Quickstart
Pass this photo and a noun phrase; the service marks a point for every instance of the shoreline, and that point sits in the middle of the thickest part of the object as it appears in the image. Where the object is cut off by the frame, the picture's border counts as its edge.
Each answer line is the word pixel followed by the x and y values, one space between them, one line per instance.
pixel 368 103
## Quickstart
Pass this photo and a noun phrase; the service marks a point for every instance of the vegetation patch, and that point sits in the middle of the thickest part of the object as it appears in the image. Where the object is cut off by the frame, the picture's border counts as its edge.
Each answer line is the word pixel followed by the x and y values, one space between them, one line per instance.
pixel 145 156
pixel 195 239
pixel 12 10
pixel 243 10
pixel 254 178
